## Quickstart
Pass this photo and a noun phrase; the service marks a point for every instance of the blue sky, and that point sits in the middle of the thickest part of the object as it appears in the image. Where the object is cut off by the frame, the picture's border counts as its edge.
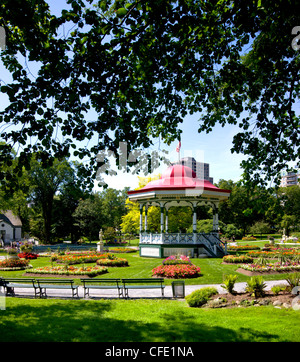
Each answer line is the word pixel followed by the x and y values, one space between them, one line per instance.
pixel 213 148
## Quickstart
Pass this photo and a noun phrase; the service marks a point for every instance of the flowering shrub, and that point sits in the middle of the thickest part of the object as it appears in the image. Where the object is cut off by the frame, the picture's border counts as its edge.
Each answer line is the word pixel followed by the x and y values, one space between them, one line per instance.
pixel 26 247
pixel 71 270
pixel 242 247
pixel 237 259
pixel 271 267
pixel 11 251
pixel 176 271
pixel 28 256
pixel 14 263
pixel 112 262
pixel 173 260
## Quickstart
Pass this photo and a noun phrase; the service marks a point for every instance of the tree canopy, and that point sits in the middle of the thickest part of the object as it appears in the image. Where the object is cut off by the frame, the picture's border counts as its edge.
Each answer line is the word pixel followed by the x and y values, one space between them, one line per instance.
pixel 113 71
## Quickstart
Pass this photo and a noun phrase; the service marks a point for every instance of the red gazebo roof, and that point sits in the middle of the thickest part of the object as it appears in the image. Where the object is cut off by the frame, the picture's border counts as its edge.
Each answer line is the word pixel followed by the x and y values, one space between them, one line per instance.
pixel 178 177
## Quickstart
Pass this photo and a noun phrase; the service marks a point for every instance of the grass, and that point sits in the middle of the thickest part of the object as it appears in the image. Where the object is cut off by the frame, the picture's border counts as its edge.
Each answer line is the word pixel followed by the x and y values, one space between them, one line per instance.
pixel 144 320
pixel 29 320
pixel 212 270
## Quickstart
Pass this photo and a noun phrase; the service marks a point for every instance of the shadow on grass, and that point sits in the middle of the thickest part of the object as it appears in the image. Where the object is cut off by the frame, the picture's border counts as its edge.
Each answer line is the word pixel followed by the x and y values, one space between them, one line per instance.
pixel 105 321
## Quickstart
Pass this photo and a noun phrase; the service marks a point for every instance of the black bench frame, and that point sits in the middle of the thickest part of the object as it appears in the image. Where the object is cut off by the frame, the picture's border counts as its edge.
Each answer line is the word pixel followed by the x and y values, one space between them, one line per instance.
pixel 11 283
pixel 57 284
pixel 143 283
pixel 102 283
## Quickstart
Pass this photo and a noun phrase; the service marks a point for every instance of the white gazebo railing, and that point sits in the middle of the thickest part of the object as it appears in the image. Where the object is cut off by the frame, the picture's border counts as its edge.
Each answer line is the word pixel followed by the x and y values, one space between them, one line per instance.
pixel 210 240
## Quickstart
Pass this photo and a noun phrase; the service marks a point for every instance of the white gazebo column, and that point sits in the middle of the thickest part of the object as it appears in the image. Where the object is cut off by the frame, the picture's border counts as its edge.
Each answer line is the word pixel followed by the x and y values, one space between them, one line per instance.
pixel 215 219
pixel 194 219
pixel 141 218
pixel 146 221
pixel 161 218
pixel 167 220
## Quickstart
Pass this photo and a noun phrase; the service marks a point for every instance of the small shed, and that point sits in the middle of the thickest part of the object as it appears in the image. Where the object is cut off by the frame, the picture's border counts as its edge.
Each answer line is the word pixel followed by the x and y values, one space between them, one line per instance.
pixel 10 227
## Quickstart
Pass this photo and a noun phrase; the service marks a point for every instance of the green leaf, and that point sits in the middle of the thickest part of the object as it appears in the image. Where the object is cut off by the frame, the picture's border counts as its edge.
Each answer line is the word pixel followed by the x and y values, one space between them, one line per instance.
pixel 121 12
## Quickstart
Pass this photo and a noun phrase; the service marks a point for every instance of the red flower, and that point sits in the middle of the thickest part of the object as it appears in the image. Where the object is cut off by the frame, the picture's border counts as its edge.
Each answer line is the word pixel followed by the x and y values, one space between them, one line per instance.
pixel 27 256
pixel 176 271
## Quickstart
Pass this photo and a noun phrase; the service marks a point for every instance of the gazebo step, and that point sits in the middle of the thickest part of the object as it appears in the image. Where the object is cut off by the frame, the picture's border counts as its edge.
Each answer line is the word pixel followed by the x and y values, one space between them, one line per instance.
pixel 202 256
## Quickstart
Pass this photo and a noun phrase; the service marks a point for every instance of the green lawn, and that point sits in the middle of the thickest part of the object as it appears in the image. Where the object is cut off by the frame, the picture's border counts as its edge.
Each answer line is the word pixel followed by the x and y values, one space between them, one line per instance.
pixel 29 320
pixel 212 270
pixel 144 320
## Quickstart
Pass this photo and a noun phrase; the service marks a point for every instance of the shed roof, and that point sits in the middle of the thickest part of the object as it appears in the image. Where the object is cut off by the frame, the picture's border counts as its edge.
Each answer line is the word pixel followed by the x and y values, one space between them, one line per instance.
pixel 8 216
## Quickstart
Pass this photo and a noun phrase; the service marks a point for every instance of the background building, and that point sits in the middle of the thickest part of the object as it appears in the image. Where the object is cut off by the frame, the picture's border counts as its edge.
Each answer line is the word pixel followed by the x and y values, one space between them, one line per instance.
pixel 201 169
pixel 10 227
pixel 290 178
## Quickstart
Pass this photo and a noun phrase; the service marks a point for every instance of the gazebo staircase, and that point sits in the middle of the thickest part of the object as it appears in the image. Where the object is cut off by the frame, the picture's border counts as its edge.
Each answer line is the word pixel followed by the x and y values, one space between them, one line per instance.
pixel 213 250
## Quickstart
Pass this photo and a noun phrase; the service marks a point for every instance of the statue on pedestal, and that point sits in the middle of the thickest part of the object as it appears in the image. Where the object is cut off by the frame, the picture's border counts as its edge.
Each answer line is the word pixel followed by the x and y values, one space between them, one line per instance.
pixel 100 244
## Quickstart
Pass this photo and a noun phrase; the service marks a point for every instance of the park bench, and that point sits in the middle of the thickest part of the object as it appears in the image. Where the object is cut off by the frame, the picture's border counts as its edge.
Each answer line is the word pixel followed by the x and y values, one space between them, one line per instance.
pixel 57 284
pixel 11 283
pixel 143 283
pixel 102 283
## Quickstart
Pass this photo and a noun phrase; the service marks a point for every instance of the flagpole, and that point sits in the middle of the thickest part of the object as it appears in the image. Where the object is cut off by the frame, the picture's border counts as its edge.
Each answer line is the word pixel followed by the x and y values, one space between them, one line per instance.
pixel 178 149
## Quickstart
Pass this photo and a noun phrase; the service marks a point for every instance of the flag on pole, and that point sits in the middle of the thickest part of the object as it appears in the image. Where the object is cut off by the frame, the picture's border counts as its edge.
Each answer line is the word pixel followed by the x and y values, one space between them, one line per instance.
pixel 178 147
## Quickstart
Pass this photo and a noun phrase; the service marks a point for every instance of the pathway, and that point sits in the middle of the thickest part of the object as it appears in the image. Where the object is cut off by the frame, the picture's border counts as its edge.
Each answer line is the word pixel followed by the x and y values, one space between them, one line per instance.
pixel 142 293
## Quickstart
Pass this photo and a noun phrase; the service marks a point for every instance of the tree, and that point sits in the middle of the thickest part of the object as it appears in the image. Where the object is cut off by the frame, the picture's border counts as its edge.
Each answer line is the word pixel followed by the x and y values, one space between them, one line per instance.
pixel 260 227
pixel 288 222
pixel 113 206
pixel 45 183
pixel 130 221
pixel 246 205
pixel 88 216
pixel 180 219
pixel 142 67
pixel 206 226
pixel 290 200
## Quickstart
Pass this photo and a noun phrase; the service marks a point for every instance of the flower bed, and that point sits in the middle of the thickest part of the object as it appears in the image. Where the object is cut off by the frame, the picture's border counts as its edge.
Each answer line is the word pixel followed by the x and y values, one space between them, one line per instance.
pixel 271 267
pixel 122 250
pixel 274 253
pixel 242 247
pixel 70 270
pixel 232 259
pixel 14 264
pixel 174 260
pixel 249 238
pixel 112 262
pixel 28 256
pixel 176 271
pixel 79 258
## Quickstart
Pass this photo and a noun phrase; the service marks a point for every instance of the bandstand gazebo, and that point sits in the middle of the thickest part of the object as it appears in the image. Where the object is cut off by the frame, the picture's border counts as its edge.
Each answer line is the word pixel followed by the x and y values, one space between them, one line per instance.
pixel 179 186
